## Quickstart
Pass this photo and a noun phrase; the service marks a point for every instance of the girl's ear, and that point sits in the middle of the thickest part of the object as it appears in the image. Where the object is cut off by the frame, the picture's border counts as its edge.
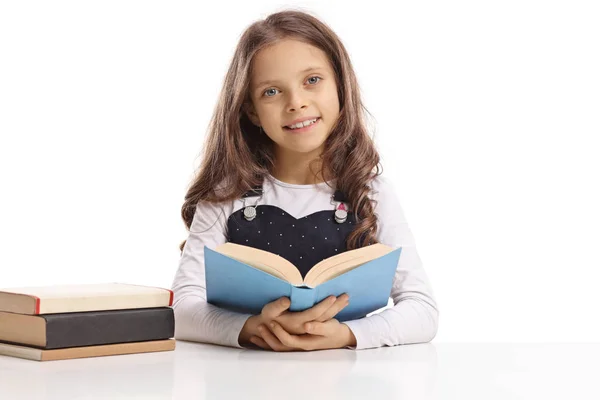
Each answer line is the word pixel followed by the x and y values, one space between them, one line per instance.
pixel 248 108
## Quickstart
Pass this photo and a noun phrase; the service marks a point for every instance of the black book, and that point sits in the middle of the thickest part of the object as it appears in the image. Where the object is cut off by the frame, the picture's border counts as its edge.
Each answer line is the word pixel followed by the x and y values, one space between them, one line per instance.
pixel 65 330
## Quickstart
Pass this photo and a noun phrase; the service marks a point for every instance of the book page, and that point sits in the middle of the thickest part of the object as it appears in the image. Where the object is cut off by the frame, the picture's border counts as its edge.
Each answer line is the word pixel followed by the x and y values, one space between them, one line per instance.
pixel 263 260
pixel 334 266
pixel 85 290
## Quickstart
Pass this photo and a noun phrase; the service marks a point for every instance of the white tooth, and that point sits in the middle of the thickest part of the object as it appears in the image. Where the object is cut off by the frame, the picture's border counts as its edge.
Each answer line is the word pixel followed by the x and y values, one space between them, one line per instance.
pixel 303 124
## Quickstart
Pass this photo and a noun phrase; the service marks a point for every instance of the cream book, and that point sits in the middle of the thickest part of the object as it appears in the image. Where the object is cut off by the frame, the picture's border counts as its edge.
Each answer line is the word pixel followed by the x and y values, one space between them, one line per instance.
pixel 244 279
pixel 77 298
pixel 31 353
pixel 321 272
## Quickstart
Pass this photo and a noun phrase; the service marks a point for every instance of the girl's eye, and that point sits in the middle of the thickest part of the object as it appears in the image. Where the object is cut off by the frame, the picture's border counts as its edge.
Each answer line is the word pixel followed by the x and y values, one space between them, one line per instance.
pixel 315 76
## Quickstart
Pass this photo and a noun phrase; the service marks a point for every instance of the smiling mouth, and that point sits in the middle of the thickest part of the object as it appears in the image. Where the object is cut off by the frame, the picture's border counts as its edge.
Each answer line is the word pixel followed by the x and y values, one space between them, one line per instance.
pixel 303 129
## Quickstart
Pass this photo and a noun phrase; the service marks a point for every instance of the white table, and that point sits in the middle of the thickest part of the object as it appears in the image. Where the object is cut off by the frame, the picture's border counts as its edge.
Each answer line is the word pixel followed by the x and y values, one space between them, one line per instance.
pixel 412 372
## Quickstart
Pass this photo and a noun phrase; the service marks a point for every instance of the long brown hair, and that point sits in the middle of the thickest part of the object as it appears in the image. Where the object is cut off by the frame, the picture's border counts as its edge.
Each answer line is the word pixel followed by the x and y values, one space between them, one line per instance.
pixel 237 157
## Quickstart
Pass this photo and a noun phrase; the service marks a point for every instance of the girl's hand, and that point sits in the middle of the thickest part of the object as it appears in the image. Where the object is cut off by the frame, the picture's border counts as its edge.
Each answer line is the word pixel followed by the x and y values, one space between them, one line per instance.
pixel 322 335
pixel 292 321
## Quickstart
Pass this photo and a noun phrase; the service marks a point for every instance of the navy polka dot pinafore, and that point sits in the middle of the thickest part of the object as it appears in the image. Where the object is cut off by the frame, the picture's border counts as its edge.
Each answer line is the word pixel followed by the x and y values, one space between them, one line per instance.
pixel 304 241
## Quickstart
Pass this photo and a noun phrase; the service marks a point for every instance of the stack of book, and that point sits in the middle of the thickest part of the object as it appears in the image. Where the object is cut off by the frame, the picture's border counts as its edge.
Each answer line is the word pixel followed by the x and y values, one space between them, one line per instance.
pixel 76 321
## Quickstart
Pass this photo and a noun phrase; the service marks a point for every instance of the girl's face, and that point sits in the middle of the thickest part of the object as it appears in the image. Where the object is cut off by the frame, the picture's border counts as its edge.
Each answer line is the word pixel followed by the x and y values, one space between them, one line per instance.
pixel 283 89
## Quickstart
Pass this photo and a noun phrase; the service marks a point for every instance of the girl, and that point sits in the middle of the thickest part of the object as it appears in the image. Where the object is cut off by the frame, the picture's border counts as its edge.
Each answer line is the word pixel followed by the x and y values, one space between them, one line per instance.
pixel 288 168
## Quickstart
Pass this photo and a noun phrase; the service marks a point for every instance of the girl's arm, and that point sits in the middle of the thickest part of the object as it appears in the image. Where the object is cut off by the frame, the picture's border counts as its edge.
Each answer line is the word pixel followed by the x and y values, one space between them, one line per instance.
pixel 195 319
pixel 414 316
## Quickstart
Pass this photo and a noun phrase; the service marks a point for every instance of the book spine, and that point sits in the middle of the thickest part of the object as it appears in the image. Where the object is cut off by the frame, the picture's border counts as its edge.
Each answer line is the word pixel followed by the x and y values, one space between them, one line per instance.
pixel 302 298
pixel 108 327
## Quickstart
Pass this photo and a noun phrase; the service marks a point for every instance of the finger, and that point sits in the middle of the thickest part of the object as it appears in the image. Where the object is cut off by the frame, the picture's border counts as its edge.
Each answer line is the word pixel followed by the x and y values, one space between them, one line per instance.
pixel 315 312
pixel 292 341
pixel 275 308
pixel 320 328
pixel 340 303
pixel 260 342
pixel 272 340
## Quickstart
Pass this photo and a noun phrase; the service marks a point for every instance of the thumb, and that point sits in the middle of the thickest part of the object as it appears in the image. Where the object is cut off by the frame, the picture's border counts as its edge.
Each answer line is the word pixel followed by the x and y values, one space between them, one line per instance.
pixel 318 328
pixel 275 308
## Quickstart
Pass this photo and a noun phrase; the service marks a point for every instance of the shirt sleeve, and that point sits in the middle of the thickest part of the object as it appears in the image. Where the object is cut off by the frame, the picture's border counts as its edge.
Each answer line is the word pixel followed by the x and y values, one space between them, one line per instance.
pixel 195 319
pixel 414 316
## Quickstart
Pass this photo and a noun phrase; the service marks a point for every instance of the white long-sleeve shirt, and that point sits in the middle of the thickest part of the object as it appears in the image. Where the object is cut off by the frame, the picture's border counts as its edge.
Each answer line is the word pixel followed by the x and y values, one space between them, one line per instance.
pixel 412 319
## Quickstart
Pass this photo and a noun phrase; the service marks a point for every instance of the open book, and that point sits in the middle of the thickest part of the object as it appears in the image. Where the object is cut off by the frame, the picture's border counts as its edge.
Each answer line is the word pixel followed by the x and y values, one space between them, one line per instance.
pixel 243 279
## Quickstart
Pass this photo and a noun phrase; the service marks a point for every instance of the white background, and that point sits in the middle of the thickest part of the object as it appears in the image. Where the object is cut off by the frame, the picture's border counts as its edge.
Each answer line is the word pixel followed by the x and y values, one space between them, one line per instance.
pixel 486 115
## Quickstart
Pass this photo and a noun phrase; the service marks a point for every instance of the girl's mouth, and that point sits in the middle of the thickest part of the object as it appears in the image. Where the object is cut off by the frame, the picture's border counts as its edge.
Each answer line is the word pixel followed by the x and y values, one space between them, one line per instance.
pixel 304 129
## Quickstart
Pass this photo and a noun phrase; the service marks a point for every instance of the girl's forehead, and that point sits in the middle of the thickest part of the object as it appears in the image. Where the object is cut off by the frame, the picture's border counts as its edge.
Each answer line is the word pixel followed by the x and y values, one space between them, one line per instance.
pixel 283 61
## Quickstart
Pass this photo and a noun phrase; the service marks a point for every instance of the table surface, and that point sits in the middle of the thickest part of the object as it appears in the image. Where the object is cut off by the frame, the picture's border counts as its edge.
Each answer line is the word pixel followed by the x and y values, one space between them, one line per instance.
pixel 421 371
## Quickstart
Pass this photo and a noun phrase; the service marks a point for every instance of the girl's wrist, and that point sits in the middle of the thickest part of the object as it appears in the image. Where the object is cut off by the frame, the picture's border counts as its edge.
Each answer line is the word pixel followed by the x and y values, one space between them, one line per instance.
pixel 247 331
pixel 350 338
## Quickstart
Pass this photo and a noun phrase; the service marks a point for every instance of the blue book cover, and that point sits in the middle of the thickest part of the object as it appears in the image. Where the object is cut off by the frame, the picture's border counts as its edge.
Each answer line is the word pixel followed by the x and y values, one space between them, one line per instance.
pixel 239 286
